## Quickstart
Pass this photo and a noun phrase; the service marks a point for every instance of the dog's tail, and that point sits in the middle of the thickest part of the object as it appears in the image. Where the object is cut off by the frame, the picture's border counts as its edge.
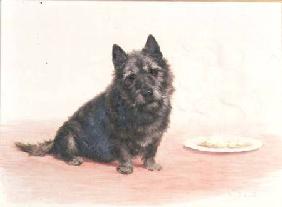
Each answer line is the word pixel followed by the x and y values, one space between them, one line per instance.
pixel 39 149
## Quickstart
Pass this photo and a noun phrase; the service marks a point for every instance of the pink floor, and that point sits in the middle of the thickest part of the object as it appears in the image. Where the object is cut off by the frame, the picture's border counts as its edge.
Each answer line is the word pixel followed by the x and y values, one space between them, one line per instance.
pixel 186 174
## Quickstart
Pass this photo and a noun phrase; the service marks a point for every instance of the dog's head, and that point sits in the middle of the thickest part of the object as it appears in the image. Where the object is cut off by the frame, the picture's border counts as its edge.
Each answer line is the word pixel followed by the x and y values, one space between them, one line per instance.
pixel 143 76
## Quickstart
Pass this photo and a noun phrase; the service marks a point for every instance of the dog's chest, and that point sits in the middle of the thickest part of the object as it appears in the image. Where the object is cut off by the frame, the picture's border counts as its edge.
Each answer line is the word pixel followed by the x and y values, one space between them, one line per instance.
pixel 142 136
pixel 145 141
pixel 142 129
pixel 137 147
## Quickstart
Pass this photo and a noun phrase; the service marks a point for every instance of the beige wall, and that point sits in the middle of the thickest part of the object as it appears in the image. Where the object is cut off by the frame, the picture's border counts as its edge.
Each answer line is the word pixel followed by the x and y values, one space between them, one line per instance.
pixel 226 58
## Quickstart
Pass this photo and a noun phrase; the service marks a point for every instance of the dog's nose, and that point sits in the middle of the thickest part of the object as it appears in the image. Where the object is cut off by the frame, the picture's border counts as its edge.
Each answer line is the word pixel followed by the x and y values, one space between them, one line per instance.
pixel 148 92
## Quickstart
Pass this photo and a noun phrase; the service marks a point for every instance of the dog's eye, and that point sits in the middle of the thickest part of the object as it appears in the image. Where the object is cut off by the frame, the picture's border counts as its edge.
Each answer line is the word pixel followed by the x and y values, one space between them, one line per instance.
pixel 154 72
pixel 129 79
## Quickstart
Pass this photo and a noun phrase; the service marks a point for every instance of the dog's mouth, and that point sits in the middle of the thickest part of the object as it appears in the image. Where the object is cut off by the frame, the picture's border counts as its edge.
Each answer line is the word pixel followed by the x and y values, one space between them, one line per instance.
pixel 153 105
pixel 147 103
pixel 150 106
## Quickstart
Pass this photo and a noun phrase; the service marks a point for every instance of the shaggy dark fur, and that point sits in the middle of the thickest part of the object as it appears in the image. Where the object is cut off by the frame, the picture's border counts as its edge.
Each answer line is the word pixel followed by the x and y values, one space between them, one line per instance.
pixel 126 120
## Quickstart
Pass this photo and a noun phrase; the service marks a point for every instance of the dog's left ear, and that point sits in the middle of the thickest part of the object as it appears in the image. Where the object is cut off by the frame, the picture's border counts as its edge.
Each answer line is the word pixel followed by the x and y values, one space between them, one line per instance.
pixel 152 47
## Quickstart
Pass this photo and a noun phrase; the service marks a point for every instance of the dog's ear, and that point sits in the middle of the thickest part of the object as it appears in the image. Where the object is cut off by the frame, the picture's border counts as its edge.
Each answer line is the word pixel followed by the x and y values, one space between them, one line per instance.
pixel 152 47
pixel 119 57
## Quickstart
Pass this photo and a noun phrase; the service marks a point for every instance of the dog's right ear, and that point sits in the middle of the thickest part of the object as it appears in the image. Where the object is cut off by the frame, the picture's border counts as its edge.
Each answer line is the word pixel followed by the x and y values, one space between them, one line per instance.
pixel 119 57
pixel 152 47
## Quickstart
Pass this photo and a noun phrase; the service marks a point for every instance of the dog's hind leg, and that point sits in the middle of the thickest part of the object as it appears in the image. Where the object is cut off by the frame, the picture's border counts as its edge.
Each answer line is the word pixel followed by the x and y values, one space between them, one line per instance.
pixel 67 150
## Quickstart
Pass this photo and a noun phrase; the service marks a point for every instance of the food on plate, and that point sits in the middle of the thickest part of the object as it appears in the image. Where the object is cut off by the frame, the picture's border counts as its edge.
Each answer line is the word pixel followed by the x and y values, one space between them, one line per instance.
pixel 221 143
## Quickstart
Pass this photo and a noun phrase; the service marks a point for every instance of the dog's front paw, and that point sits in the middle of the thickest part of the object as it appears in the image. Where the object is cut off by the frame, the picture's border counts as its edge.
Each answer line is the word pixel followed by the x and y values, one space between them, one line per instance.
pixel 76 161
pixel 152 166
pixel 125 169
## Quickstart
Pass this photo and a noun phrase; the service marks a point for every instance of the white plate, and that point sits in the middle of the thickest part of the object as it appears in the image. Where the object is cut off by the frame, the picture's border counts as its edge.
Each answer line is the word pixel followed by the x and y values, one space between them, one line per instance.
pixel 194 142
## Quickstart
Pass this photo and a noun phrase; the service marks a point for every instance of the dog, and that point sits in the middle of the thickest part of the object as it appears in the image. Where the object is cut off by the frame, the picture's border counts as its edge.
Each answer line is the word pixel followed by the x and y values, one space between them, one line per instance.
pixel 127 120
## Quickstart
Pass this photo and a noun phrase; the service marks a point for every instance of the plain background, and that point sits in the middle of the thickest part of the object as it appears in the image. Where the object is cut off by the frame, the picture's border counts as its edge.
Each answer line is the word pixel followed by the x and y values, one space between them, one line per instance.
pixel 226 58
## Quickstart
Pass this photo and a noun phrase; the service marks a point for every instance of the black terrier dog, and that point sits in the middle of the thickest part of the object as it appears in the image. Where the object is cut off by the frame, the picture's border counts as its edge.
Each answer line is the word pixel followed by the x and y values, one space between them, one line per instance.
pixel 126 120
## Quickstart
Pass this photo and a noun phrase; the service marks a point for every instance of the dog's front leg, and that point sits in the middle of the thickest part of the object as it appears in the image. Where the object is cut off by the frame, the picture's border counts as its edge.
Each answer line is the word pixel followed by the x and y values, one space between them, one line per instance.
pixel 124 158
pixel 149 157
